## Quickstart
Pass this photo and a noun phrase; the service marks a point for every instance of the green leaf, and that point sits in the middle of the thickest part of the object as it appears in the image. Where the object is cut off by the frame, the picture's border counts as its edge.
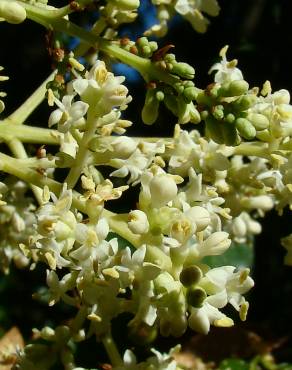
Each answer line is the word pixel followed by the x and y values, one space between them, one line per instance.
pixel 238 255
pixel 233 364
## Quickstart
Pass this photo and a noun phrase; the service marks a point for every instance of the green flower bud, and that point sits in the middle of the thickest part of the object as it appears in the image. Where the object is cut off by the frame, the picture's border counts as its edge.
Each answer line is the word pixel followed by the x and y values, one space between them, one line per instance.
pixel 183 70
pixel 230 118
pixel 204 114
pixel 170 58
pixel 214 130
pixel 171 103
pixel 244 102
pixel 153 45
pixel 234 88
pixel 218 112
pixel 146 51
pixel 179 87
pixel 142 41
pixel 190 93
pixel 150 109
pixel 196 296
pixel 203 99
pixel 259 121
pixel 159 95
pixel 190 275
pixel 245 128
pixel 12 12
pixel 230 135
pixel 238 87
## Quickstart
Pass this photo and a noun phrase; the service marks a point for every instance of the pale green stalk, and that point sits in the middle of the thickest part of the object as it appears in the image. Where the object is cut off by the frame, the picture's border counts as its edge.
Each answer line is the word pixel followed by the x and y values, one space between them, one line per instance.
pixel 19 151
pixel 83 151
pixel 28 134
pixel 111 350
pixel 146 68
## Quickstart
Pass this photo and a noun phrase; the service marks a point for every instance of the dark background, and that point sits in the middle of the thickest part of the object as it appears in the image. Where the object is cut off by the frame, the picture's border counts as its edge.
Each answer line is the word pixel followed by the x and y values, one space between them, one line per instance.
pixel 260 37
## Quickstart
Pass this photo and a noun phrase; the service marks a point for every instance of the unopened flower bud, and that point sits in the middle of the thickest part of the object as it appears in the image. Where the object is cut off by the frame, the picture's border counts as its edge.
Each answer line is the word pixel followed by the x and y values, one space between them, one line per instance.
pixel 200 216
pixel 230 135
pixel 214 130
pixel 281 97
pixel 244 102
pixel 196 296
pixel 190 93
pixel 215 244
pixel 218 112
pixel 183 70
pixel 259 121
pixel 245 128
pixel 163 189
pixel 263 202
pixel 234 88
pixel 239 227
pixel 12 12
pixel 171 103
pixel 138 222
pixel 159 95
pixel 190 275
pixel 150 109
pixel 124 146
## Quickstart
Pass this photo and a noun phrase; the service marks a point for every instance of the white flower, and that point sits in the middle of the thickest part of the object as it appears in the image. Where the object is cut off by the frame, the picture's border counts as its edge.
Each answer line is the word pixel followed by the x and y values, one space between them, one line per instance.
pixel 226 71
pixel 123 146
pixel 192 11
pixel 138 222
pixel 216 244
pixel 102 90
pixel 200 216
pixel 201 319
pixel 90 237
pixel 163 189
pixel 2 94
pixel 68 114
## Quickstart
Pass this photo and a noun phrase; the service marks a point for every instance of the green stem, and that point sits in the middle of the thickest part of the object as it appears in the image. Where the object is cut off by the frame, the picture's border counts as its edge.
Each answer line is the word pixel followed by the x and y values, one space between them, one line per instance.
pixel 146 68
pixel 20 115
pixel 13 167
pixel 252 149
pixel 97 29
pixel 28 134
pixel 18 151
pixel 83 151
pixel 112 351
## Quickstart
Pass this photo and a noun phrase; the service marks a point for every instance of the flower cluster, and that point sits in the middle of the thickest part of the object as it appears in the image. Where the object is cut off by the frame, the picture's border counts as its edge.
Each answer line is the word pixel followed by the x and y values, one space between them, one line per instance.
pixel 195 194
pixel 2 94
pixel 16 222
pixel 191 10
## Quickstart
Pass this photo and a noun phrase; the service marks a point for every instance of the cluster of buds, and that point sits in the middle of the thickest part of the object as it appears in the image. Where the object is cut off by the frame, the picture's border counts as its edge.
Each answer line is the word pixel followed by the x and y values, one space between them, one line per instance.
pixel 178 97
pixel 142 47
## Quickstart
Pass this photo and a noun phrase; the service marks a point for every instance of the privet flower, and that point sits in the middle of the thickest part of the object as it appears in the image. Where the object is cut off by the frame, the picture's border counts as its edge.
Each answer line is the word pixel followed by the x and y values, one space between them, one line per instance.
pixel 2 94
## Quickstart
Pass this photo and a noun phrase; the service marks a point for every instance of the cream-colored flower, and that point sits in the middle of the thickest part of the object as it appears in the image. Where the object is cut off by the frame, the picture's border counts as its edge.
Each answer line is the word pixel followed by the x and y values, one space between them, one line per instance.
pixel 2 94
